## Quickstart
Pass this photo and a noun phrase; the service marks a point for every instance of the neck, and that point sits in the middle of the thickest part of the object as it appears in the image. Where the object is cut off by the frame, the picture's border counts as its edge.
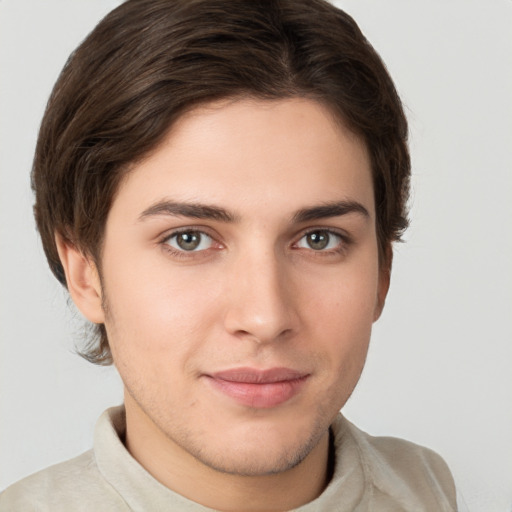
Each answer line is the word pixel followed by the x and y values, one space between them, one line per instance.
pixel 179 471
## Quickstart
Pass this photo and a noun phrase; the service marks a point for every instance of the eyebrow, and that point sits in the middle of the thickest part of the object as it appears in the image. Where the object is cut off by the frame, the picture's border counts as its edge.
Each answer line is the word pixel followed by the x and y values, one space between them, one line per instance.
pixel 331 209
pixel 203 211
pixel 192 210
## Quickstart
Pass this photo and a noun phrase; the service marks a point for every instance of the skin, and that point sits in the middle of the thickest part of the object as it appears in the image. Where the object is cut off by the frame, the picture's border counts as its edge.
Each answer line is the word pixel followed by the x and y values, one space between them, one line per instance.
pixel 255 293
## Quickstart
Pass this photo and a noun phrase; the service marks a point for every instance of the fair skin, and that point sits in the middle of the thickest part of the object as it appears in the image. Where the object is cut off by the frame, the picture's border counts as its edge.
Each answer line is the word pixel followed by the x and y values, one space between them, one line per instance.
pixel 240 279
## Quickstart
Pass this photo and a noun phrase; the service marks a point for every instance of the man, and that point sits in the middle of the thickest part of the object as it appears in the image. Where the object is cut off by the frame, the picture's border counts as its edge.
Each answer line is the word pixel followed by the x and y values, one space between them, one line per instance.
pixel 218 185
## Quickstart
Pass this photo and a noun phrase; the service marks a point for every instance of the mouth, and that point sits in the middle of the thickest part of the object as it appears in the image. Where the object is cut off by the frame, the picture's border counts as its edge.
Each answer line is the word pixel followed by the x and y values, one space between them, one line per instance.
pixel 259 389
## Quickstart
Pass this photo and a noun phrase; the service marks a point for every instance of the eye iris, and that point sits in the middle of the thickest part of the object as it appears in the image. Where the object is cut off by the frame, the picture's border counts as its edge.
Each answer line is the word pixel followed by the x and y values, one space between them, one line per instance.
pixel 188 241
pixel 318 240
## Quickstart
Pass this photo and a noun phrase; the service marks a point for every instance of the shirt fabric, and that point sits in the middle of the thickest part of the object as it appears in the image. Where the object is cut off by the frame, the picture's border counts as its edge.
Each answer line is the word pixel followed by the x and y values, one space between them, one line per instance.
pixel 371 474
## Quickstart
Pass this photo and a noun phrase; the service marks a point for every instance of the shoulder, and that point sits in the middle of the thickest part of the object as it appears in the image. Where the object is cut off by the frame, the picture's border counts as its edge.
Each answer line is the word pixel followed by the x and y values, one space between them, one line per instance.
pixel 74 485
pixel 410 474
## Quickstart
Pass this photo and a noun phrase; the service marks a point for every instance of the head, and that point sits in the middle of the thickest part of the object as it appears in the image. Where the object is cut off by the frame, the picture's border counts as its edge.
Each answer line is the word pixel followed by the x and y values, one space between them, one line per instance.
pixel 153 74
pixel 150 61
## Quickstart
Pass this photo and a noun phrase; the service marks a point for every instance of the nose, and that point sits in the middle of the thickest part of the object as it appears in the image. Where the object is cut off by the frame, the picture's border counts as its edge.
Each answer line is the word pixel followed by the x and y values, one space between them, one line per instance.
pixel 261 303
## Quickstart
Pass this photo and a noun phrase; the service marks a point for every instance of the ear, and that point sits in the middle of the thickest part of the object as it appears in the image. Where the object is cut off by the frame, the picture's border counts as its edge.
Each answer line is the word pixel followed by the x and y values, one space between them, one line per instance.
pixel 383 284
pixel 82 279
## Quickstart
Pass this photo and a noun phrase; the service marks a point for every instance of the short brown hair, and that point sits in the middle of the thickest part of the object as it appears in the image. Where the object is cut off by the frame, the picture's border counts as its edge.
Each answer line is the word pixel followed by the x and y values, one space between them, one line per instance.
pixel 149 61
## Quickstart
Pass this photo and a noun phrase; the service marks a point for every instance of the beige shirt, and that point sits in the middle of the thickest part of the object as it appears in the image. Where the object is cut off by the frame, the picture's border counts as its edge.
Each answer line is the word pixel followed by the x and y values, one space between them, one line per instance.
pixel 378 474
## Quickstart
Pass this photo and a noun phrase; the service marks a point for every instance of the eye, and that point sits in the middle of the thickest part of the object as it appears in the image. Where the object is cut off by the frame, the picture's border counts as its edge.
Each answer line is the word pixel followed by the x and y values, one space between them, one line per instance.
pixel 320 240
pixel 190 241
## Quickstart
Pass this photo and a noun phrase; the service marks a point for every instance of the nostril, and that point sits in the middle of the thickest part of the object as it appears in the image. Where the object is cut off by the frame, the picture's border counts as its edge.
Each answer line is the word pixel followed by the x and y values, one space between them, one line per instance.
pixel 262 337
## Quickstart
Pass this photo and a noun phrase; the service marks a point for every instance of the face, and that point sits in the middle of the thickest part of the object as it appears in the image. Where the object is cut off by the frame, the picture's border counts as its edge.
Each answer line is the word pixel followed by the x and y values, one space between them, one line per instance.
pixel 240 281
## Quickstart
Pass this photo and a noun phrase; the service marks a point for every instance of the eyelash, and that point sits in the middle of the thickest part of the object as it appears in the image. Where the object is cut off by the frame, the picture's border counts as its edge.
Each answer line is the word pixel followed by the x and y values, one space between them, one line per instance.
pixel 344 243
pixel 342 246
pixel 164 242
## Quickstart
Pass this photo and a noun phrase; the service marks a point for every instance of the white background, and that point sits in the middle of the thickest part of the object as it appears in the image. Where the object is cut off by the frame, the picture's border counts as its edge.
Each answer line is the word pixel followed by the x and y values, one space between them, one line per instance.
pixel 440 366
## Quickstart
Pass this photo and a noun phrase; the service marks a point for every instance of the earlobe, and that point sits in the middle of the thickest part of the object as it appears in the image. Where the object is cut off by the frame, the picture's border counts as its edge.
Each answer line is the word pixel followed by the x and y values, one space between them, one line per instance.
pixel 82 280
pixel 384 279
pixel 383 285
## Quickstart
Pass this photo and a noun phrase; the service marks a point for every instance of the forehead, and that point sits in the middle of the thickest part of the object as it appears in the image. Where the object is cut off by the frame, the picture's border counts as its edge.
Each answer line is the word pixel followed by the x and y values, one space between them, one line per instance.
pixel 253 154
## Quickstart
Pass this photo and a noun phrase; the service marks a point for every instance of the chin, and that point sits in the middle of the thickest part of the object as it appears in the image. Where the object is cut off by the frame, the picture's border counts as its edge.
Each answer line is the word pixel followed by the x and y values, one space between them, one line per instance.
pixel 261 462
pixel 260 452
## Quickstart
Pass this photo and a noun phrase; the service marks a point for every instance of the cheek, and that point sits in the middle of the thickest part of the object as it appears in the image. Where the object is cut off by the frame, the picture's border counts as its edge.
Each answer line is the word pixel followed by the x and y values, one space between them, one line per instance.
pixel 154 313
pixel 345 300
pixel 341 318
pixel 343 341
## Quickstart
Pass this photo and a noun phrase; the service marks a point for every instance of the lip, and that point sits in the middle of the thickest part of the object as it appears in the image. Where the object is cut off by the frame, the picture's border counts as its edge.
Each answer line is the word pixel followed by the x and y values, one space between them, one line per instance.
pixel 259 389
